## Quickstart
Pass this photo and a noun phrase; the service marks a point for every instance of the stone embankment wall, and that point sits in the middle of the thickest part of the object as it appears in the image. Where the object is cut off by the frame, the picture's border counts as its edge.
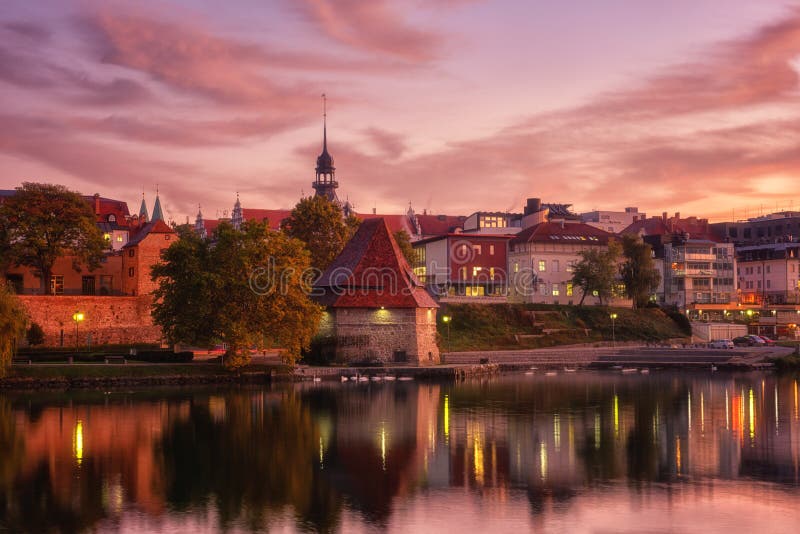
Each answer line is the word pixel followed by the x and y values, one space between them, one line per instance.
pixel 396 335
pixel 107 320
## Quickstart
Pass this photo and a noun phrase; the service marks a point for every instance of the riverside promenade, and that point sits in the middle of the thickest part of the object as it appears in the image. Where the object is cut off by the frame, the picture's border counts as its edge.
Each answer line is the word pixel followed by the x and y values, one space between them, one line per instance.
pixel 625 355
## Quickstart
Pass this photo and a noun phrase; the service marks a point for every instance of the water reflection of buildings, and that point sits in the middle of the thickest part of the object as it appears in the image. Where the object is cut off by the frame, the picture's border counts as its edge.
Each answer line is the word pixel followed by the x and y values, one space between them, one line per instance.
pixel 324 449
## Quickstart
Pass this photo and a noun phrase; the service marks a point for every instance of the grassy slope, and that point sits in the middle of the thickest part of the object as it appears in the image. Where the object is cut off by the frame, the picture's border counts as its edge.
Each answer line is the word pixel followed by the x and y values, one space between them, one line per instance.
pixel 494 326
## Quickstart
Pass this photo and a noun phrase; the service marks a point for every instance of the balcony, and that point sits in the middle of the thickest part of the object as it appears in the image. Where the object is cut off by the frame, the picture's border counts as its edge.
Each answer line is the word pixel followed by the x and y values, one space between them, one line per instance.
pixel 695 273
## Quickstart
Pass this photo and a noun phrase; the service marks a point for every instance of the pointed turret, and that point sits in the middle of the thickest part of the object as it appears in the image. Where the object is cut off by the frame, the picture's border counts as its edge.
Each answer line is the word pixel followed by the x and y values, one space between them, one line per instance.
pixel 199 224
pixel 157 213
pixel 325 185
pixel 236 215
pixel 143 217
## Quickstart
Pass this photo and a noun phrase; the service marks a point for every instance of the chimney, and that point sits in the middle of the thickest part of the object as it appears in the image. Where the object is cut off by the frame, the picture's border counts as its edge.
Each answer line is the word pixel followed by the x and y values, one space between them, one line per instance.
pixel 664 216
pixel 97 203
pixel 533 205
pixel 374 211
pixel 677 215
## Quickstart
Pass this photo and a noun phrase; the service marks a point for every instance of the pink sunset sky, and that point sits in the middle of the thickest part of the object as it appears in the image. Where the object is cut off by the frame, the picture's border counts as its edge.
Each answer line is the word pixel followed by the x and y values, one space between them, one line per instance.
pixel 452 105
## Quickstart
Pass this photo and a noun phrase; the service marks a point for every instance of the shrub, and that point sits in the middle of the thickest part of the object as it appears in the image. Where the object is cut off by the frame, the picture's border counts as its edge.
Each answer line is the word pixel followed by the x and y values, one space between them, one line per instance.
pixel 321 351
pixel 35 335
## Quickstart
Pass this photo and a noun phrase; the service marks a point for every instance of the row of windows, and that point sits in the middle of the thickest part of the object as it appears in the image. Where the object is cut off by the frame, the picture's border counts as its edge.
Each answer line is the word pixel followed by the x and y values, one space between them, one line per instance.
pixel 749 270
pixel 477 272
pixel 555 266
pixel 88 284
pixel 476 250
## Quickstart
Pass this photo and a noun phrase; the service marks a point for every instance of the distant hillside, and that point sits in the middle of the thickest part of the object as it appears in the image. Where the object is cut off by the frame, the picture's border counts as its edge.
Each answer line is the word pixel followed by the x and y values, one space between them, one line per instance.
pixel 515 326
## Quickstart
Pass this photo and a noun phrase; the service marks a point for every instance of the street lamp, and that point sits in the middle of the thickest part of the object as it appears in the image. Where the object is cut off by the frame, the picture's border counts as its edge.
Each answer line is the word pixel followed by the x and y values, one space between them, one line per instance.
pixel 446 320
pixel 613 332
pixel 78 317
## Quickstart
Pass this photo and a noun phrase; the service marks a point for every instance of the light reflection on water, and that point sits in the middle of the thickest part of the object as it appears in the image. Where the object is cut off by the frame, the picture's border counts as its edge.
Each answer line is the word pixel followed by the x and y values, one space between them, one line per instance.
pixel 584 452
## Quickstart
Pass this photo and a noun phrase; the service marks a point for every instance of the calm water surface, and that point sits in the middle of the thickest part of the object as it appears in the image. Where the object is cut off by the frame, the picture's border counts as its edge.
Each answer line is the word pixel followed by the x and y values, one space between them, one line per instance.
pixel 580 452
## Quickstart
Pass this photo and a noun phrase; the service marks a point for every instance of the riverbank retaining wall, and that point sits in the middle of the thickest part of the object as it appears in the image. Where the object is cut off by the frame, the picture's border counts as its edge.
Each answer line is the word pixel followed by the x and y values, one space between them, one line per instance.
pixel 107 320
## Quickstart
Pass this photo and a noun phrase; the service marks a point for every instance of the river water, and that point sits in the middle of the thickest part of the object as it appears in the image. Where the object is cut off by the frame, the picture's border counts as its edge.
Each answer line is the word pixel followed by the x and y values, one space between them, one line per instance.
pixel 579 452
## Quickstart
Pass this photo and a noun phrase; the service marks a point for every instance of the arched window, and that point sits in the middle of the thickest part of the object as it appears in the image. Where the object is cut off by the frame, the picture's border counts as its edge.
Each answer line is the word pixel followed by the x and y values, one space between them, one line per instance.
pixel 112 218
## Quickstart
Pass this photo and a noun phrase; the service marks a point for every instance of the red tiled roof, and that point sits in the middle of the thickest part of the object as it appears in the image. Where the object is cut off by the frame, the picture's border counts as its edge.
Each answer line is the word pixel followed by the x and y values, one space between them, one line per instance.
pixel 394 222
pixel 109 206
pixel 154 227
pixel 440 224
pixel 273 216
pixel 696 228
pixel 555 232
pixel 371 272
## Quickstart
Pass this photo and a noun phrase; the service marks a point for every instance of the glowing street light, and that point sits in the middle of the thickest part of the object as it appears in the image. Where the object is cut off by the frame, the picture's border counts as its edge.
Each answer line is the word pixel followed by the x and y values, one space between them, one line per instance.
pixel 446 320
pixel 613 332
pixel 78 317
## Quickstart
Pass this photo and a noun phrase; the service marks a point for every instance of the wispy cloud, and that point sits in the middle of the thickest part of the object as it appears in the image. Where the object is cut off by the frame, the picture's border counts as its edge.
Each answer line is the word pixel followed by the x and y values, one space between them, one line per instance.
pixel 376 26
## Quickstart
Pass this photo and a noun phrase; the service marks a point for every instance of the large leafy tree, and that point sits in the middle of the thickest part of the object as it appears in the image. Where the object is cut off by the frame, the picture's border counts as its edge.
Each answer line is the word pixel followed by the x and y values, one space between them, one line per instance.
pixel 13 319
pixel 320 224
pixel 404 243
pixel 638 270
pixel 597 271
pixel 43 222
pixel 245 288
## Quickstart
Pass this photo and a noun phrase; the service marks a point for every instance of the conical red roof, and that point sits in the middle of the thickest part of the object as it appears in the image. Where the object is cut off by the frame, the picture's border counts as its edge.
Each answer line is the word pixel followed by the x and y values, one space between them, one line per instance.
pixel 371 272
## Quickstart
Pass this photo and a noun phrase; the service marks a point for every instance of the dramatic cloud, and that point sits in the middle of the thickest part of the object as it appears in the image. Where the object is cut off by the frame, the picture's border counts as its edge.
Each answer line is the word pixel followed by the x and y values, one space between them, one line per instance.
pixel 376 26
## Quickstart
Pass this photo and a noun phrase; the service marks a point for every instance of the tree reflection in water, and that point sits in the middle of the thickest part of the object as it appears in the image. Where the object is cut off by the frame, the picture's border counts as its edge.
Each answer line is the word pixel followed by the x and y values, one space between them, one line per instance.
pixel 323 457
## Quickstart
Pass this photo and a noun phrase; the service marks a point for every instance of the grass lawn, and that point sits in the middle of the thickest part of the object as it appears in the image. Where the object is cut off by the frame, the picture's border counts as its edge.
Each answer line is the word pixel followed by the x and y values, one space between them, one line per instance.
pixel 520 326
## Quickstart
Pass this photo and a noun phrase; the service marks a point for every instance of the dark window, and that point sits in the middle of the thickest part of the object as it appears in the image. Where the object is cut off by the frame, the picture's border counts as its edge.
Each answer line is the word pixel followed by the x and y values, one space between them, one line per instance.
pixel 112 218
pixel 733 232
pixel 87 285
pixel 130 253
pixel 166 237
pixel 130 272
pixel 748 233
pixel 16 282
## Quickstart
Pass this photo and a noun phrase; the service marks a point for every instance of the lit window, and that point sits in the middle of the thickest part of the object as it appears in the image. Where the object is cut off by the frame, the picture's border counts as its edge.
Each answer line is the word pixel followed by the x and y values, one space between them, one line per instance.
pixel 491 250
pixel 476 249
pixel 569 289
pixel 491 273
pixel 476 270
pixel 119 239
pixel 542 266
pixel 555 290
pixel 463 273
pixel 516 266
pixel 57 284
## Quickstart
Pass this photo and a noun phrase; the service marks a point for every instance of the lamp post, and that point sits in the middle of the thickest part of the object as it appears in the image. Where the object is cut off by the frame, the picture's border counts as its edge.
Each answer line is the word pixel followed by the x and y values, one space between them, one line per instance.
pixel 78 317
pixel 613 331
pixel 446 320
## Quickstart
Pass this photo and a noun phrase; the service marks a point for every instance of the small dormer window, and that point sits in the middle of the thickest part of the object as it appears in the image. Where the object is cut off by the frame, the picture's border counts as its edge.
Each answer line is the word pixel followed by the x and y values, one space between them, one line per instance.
pixel 112 218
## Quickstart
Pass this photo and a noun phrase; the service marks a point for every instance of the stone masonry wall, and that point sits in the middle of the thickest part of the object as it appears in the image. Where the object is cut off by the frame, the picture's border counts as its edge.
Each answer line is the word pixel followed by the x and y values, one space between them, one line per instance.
pixel 367 333
pixel 108 320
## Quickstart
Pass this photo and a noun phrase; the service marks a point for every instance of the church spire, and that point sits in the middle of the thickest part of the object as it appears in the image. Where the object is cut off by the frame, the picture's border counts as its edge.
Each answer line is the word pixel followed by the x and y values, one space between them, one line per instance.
pixel 325 185
pixel 199 223
pixel 237 217
pixel 157 213
pixel 143 210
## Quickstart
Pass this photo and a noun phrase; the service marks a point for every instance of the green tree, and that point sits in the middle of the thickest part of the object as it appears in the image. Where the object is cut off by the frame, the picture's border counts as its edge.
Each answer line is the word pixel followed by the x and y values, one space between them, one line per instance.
pixel 320 224
pixel 44 222
pixel 13 319
pixel 245 288
pixel 404 242
pixel 638 271
pixel 35 335
pixel 597 271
